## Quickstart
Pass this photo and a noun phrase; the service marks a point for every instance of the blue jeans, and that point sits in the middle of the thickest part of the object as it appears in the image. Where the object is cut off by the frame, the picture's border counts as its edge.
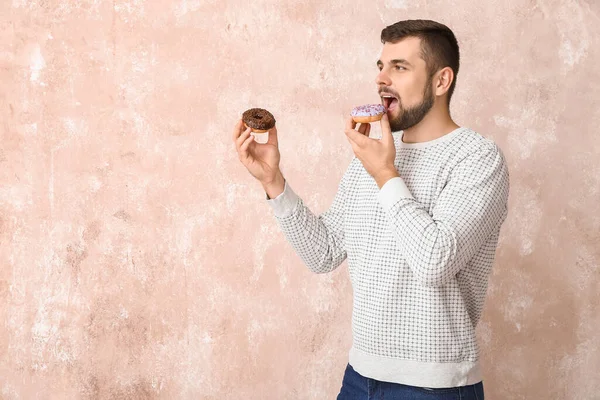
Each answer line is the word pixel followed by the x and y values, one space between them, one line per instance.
pixel 357 387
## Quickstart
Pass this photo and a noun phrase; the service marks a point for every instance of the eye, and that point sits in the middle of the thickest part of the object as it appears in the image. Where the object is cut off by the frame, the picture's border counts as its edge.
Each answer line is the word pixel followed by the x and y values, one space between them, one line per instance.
pixel 399 67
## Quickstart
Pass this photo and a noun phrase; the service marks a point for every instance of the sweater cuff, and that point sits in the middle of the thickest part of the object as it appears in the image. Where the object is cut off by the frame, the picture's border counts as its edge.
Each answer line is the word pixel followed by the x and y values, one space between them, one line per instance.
pixel 284 204
pixel 393 191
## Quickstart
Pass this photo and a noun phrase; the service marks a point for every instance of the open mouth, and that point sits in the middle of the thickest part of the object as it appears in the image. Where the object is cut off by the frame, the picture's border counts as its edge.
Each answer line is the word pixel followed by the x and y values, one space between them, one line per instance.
pixel 390 102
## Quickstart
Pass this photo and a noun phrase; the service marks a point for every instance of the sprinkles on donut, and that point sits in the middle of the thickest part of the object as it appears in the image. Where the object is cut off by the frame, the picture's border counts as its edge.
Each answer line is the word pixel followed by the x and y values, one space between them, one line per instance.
pixel 368 113
pixel 258 119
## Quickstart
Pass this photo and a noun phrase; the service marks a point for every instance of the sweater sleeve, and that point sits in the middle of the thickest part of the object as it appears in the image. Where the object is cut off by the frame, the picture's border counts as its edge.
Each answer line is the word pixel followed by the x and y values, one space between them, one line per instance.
pixel 469 209
pixel 318 240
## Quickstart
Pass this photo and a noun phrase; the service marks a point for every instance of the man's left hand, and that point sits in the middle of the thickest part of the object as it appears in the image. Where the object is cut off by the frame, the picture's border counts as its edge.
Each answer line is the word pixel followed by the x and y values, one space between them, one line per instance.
pixel 376 155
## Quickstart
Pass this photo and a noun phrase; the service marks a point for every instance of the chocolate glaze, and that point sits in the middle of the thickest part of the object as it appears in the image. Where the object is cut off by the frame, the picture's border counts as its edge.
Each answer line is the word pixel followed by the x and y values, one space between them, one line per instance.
pixel 258 118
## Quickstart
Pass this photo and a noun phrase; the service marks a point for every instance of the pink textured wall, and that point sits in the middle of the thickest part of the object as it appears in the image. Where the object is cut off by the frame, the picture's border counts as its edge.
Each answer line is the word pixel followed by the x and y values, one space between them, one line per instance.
pixel 138 259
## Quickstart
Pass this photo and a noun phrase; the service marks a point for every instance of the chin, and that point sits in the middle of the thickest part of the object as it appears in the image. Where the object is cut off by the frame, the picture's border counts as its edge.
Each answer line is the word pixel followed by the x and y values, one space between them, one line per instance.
pixel 394 119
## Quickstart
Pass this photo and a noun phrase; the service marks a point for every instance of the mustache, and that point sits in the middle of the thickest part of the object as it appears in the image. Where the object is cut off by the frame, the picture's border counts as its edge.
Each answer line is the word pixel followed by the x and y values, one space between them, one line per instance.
pixel 388 91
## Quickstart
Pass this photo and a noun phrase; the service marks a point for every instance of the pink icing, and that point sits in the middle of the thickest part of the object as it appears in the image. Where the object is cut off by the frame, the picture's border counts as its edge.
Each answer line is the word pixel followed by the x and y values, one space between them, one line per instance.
pixel 368 110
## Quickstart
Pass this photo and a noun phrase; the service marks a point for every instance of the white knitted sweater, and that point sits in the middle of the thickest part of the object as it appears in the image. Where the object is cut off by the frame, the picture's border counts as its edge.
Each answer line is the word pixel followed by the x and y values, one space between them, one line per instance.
pixel 419 253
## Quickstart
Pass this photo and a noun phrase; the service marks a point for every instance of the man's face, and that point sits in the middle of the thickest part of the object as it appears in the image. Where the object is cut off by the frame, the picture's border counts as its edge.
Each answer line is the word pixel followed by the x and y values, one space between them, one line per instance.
pixel 404 84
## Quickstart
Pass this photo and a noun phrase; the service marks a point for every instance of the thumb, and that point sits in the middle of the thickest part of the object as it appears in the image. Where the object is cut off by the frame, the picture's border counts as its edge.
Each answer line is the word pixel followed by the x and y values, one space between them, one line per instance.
pixel 273 136
pixel 386 130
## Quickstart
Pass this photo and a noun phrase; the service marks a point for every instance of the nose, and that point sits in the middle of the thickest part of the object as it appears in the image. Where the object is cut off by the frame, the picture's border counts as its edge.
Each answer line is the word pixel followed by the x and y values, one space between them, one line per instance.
pixel 382 79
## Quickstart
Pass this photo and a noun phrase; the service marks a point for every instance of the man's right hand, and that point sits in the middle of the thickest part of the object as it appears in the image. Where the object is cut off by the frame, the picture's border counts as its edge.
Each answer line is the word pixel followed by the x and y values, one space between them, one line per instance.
pixel 261 160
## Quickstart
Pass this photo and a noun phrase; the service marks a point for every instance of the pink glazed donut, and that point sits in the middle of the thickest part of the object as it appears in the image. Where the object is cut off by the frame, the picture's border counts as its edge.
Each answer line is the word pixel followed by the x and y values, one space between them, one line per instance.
pixel 367 113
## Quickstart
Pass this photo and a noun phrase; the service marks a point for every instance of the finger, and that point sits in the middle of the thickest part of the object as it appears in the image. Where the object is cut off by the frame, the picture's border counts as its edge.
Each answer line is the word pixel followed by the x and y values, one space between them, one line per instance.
pixel 273 139
pixel 356 137
pixel 237 131
pixel 364 129
pixel 350 124
pixel 368 130
pixel 242 138
pixel 386 130
pixel 244 154
pixel 355 148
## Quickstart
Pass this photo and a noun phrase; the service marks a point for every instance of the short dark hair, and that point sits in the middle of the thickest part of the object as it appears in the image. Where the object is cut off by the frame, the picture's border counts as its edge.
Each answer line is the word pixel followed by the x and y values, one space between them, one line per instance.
pixel 439 47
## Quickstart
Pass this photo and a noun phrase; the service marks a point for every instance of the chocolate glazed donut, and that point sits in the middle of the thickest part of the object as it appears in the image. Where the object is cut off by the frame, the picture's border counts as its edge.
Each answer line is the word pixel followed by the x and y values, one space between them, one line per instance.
pixel 258 119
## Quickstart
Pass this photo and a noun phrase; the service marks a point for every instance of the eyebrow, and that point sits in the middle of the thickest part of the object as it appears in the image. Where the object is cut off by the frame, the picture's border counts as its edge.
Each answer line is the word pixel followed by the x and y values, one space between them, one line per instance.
pixel 395 61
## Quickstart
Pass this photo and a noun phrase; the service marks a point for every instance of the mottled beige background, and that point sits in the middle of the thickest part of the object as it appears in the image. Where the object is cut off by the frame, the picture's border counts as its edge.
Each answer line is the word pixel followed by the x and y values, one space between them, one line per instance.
pixel 138 258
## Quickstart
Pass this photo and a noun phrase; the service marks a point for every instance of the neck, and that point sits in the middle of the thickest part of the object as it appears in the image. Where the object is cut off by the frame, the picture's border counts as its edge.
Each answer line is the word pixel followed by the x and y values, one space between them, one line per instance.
pixel 436 124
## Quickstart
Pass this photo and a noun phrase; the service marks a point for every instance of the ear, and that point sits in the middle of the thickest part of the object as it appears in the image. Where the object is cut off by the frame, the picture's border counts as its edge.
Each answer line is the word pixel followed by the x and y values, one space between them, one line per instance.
pixel 443 81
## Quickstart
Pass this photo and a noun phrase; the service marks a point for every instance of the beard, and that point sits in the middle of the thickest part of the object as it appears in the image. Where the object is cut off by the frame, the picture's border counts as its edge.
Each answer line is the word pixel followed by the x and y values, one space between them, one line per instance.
pixel 411 116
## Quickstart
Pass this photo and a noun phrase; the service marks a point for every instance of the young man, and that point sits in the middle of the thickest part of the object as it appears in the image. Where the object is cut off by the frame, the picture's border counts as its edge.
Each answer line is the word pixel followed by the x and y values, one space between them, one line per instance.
pixel 417 215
